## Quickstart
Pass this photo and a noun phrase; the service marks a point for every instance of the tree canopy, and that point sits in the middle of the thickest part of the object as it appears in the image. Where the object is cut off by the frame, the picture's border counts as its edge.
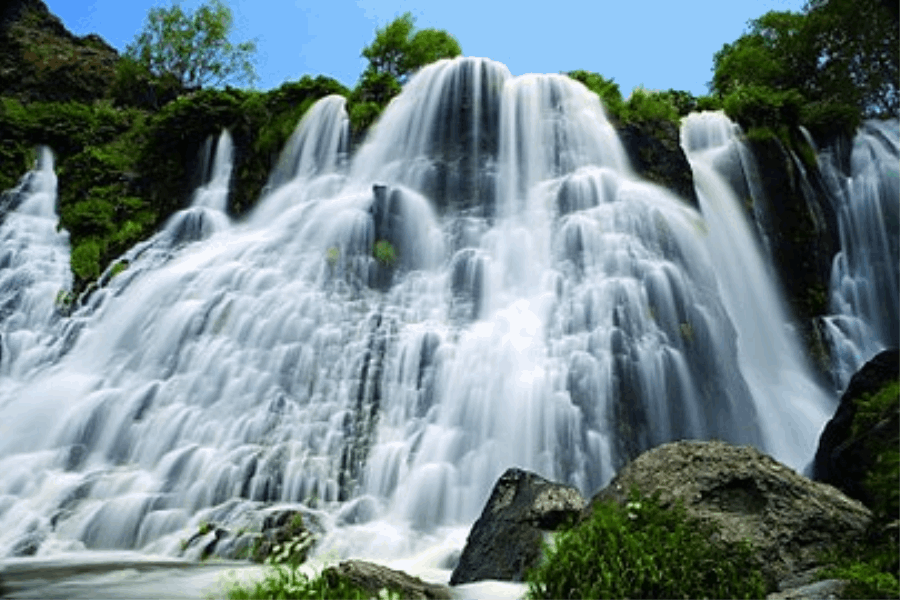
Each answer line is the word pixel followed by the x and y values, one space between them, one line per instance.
pixel 838 59
pixel 193 47
pixel 399 50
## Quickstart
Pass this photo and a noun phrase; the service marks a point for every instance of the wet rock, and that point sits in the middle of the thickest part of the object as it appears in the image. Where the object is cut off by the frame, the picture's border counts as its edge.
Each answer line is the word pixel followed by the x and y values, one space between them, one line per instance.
pixel 656 154
pixel 843 458
pixel 280 535
pixel 506 539
pixel 827 589
pixel 373 578
pixel 788 519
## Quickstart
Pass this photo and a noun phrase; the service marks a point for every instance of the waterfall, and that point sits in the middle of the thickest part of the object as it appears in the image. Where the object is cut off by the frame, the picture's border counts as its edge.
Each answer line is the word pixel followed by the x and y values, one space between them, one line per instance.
pixel 865 274
pixel 792 407
pixel 34 270
pixel 485 284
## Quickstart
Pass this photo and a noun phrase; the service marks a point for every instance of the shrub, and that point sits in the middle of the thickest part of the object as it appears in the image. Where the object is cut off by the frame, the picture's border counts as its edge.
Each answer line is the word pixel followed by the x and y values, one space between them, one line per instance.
pixel 643 550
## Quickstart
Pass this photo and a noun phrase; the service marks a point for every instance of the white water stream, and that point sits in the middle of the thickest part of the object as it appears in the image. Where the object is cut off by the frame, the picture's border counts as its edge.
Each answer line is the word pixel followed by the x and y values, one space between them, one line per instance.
pixel 538 305
pixel 865 277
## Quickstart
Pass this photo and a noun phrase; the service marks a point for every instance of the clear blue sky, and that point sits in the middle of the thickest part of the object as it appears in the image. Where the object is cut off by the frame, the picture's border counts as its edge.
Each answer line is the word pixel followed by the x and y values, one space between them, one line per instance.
pixel 659 44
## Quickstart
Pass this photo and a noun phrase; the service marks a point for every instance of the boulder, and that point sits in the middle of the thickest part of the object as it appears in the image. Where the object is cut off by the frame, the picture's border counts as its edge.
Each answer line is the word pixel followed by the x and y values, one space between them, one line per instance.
pixel 843 458
pixel 373 578
pixel 788 519
pixel 506 539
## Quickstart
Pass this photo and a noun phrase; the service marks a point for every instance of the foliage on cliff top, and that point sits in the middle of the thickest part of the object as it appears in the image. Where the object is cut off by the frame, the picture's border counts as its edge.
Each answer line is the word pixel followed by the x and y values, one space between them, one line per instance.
pixel 826 67
pixel 397 51
pixel 643 550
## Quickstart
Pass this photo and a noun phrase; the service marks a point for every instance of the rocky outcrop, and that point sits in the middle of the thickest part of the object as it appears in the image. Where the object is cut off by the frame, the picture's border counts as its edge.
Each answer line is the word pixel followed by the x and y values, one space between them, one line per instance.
pixel 846 454
pixel 656 154
pixel 797 223
pixel 373 578
pixel 42 60
pixel 278 535
pixel 506 539
pixel 788 519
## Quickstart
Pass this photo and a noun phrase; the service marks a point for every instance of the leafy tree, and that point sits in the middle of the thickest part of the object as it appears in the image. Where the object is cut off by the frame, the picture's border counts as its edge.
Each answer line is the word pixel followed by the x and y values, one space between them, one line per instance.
pixel 192 48
pixel 836 59
pixel 399 50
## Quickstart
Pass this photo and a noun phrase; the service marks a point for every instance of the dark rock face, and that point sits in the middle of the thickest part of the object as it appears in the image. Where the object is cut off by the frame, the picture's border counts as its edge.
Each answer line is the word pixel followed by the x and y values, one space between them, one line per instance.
pixel 373 578
pixel 788 519
pixel 843 459
pixel 656 154
pixel 796 219
pixel 506 539
pixel 42 60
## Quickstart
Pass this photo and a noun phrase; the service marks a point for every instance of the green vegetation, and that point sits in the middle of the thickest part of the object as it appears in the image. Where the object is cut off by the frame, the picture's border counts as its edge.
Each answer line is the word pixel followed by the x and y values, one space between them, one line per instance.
pixel 873 567
pixel 287 581
pixel 644 551
pixel 384 253
pixel 825 68
pixel 884 476
pixel 192 48
pixel 397 51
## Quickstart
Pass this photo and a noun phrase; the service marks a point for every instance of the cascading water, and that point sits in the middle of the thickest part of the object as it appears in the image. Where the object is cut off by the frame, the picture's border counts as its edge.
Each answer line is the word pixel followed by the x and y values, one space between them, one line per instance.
pixel 486 284
pixel 865 274
pixel 34 270
pixel 791 406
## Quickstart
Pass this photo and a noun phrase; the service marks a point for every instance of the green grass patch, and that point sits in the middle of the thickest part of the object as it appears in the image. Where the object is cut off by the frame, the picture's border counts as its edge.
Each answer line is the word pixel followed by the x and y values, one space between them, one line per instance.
pixel 643 550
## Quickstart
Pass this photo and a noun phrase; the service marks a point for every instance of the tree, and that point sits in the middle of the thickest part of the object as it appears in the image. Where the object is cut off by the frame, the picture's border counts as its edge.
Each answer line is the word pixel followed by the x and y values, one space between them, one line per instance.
pixel 192 48
pixel 399 50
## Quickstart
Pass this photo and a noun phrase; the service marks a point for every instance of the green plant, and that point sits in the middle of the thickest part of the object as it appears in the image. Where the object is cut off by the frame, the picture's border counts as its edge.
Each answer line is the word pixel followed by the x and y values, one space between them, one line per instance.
pixel 871 570
pixel 290 582
pixel 643 550
pixel 384 253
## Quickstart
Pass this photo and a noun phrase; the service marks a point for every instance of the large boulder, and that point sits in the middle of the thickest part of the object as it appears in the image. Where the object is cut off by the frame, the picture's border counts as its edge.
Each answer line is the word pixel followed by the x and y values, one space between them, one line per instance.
pixel 506 539
pixel 845 457
pixel 788 519
pixel 373 578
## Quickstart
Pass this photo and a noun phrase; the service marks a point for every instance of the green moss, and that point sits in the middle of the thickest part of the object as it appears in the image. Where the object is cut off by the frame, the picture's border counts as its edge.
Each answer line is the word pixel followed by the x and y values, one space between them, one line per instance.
pixel 872 408
pixel 643 550
pixel 384 253
pixel 86 259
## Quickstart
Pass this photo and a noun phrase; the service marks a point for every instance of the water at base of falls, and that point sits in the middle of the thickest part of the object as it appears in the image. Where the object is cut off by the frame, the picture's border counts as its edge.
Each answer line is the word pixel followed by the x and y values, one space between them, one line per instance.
pixel 485 284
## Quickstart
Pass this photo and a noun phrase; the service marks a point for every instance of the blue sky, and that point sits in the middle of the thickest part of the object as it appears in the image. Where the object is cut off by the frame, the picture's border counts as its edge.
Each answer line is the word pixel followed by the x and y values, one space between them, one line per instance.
pixel 657 44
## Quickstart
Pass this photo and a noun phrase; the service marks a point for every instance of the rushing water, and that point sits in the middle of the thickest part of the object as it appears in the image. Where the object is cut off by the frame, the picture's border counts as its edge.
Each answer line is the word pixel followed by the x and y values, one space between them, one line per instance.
pixel 790 403
pixel 866 274
pixel 485 284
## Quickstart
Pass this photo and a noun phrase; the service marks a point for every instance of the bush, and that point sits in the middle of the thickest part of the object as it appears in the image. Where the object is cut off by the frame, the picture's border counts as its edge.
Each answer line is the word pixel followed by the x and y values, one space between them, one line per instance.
pixel 761 106
pixel 643 550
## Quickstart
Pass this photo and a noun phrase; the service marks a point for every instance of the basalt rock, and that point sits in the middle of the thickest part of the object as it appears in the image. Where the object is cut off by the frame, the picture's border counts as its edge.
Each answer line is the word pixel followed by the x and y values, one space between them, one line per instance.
pixel 788 519
pixel 795 218
pixel 656 154
pixel 845 457
pixel 506 539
